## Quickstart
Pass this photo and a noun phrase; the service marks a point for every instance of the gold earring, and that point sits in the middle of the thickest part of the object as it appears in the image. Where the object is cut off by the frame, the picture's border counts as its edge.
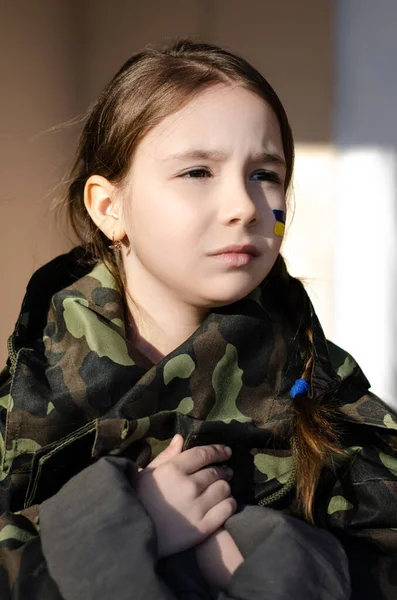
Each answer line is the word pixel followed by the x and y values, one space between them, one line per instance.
pixel 116 246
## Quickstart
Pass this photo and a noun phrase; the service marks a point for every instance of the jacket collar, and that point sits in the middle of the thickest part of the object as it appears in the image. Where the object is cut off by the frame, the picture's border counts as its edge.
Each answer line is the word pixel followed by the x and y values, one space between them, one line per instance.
pixel 71 275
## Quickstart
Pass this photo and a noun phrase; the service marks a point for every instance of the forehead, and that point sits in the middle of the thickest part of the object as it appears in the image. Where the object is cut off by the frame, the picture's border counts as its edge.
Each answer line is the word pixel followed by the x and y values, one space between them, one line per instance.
pixel 223 117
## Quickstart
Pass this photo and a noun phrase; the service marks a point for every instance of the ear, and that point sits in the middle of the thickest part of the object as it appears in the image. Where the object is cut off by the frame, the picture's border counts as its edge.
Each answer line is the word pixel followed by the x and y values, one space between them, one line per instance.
pixel 102 201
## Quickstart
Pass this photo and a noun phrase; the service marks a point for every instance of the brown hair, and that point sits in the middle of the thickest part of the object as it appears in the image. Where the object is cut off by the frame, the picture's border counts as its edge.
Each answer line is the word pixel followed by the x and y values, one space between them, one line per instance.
pixel 151 85
pixel 315 436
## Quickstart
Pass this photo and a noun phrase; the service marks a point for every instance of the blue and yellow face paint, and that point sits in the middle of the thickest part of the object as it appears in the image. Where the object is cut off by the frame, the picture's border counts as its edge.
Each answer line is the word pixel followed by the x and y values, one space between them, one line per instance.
pixel 279 226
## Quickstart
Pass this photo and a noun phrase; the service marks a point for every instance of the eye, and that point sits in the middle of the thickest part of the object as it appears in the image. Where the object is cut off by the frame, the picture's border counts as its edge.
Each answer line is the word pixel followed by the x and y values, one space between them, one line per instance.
pixel 199 173
pixel 264 175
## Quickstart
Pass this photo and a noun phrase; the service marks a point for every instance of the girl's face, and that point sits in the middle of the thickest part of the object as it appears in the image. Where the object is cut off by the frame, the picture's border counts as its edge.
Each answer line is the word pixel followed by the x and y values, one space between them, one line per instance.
pixel 206 178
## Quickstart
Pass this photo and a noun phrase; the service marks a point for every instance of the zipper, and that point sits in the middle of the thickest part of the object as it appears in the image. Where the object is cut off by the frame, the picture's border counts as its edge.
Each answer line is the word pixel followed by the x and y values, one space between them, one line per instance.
pixel 287 487
pixel 283 491
pixel 12 353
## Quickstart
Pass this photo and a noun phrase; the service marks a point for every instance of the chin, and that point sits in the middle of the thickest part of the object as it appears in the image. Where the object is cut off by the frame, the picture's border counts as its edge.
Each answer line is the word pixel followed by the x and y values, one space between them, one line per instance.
pixel 230 296
pixel 217 291
pixel 234 290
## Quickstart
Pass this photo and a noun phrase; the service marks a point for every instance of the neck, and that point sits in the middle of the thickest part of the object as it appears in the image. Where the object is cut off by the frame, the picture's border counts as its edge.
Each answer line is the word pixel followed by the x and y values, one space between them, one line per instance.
pixel 159 322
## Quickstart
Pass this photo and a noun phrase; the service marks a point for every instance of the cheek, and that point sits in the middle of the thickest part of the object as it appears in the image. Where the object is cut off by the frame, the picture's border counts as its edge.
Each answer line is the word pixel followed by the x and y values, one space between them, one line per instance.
pixel 145 214
pixel 273 250
pixel 274 240
pixel 159 232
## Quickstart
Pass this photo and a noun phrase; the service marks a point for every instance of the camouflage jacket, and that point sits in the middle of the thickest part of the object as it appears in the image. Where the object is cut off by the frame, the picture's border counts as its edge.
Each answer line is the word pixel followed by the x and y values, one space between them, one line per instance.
pixel 75 389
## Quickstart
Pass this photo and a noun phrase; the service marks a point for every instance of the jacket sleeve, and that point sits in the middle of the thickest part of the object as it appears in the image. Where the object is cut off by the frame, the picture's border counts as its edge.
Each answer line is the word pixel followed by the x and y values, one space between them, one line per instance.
pixel 96 541
pixel 23 570
pixel 284 558
pixel 362 505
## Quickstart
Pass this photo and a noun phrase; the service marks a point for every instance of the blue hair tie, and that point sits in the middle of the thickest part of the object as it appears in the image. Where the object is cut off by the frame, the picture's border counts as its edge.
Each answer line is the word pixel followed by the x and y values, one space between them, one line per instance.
pixel 300 387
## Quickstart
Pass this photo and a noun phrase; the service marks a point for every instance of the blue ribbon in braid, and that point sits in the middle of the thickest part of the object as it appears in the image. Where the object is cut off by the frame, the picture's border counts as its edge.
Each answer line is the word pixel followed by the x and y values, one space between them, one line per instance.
pixel 300 387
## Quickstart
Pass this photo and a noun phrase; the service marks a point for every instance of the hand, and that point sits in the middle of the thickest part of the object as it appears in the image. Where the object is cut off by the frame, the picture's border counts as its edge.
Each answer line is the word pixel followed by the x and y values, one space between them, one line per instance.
pixel 186 501
pixel 218 557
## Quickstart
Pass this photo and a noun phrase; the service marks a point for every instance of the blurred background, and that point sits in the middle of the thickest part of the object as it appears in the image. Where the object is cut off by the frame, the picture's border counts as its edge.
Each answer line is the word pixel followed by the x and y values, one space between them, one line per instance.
pixel 332 62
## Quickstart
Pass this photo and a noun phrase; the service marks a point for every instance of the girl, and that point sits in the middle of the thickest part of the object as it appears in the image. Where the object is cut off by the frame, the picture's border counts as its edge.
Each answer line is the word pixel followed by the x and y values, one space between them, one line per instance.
pixel 177 320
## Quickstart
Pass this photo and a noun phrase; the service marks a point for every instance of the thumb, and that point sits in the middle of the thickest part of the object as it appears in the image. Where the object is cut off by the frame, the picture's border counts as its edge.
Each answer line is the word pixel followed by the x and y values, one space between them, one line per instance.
pixel 175 448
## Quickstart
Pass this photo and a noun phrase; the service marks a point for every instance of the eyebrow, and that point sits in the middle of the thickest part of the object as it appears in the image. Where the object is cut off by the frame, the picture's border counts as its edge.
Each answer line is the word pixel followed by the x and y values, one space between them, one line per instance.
pixel 219 156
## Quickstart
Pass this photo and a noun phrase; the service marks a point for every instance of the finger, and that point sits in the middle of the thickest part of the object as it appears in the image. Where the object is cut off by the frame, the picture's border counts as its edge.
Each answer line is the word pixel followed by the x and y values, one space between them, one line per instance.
pixel 214 494
pixel 206 477
pixel 194 459
pixel 217 515
pixel 175 448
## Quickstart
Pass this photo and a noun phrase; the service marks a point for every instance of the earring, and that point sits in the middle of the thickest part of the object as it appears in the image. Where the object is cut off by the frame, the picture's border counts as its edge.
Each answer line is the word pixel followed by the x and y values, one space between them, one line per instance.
pixel 116 246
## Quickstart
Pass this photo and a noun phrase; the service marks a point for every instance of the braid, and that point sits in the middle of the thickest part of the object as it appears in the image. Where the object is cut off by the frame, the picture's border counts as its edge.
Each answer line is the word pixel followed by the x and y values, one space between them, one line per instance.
pixel 315 441
pixel 315 438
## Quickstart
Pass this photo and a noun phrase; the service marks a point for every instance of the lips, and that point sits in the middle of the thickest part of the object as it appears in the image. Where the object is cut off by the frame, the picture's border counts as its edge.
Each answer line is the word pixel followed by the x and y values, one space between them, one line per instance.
pixel 236 255
pixel 237 249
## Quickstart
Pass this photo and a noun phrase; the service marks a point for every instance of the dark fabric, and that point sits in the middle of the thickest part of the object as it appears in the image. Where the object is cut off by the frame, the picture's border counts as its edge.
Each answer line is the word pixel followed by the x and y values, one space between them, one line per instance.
pixel 99 543
pixel 182 575
pixel 97 538
pixel 285 558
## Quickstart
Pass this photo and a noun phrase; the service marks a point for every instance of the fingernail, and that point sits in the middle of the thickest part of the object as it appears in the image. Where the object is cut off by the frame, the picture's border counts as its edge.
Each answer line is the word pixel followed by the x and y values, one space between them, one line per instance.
pixel 174 440
pixel 228 451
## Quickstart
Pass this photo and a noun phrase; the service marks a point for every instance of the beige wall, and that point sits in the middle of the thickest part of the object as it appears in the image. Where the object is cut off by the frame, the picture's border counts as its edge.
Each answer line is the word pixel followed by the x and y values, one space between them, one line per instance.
pixel 290 42
pixel 57 55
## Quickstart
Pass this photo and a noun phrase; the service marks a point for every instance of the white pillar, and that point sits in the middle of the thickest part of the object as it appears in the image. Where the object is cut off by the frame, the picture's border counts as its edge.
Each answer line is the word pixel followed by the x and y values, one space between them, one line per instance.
pixel 366 216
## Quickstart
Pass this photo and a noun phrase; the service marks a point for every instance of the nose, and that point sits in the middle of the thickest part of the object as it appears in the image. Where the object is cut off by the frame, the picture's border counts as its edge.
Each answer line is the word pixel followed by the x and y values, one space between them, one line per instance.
pixel 238 207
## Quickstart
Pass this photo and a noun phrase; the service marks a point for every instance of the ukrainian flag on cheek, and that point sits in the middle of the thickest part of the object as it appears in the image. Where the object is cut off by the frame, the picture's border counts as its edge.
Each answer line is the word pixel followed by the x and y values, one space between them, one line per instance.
pixel 279 226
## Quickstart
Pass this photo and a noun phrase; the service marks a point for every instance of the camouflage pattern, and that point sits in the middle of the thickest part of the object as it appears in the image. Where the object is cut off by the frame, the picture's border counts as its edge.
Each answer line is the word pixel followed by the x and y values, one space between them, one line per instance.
pixel 76 389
